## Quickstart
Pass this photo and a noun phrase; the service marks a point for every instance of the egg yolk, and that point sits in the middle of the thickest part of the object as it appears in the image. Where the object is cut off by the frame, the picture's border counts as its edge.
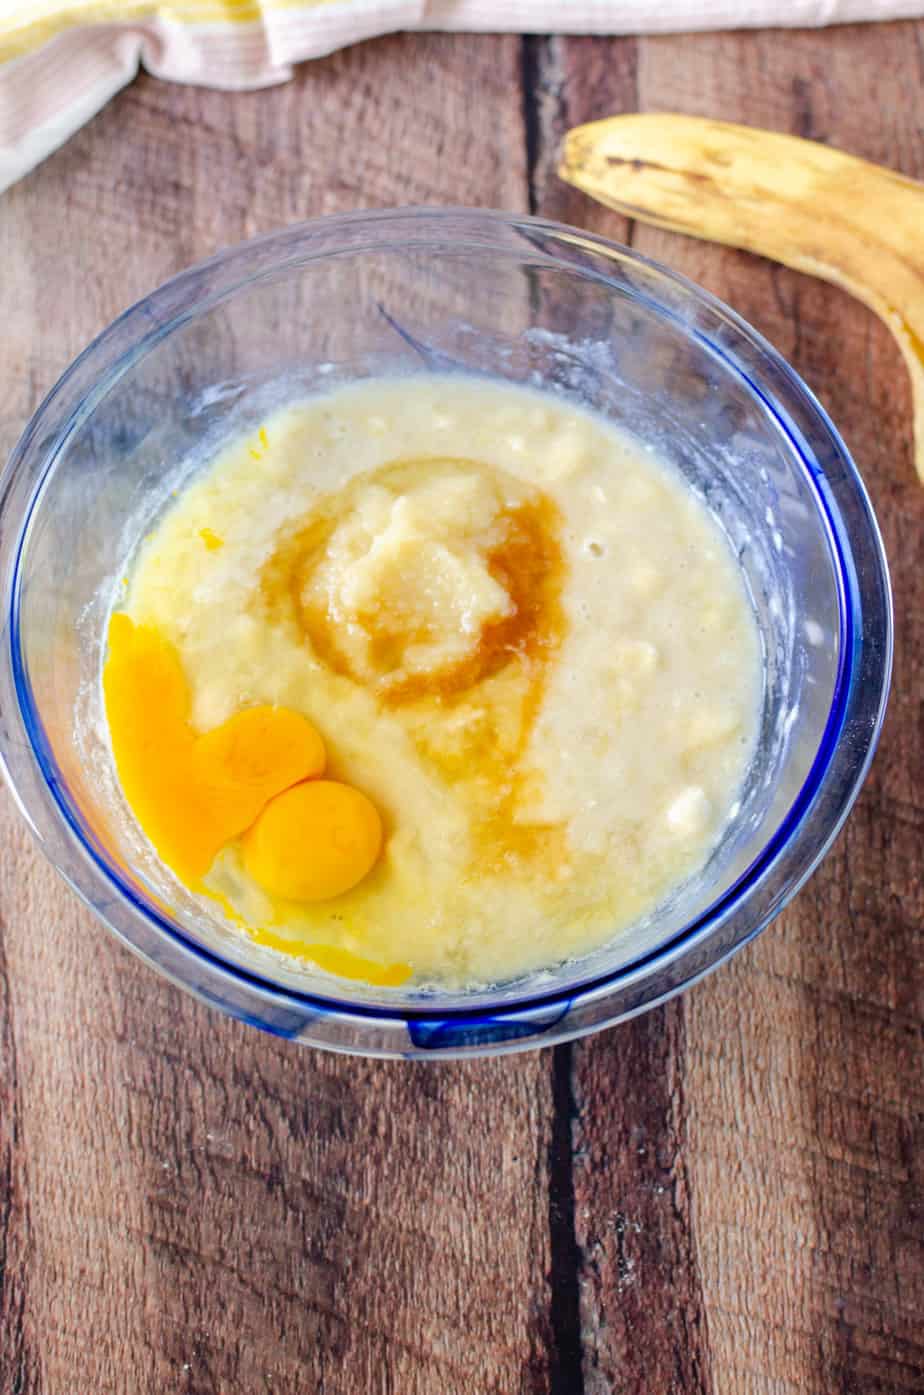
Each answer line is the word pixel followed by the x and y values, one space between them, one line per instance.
pixel 308 839
pixel 313 842
pixel 193 794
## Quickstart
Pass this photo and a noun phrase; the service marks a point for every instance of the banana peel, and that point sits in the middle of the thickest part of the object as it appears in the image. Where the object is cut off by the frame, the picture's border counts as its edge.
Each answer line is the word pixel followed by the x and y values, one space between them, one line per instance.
pixel 806 205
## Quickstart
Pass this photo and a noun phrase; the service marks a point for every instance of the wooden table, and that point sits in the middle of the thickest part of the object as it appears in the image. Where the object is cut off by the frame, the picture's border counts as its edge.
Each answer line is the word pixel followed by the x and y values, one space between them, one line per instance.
pixel 724 1196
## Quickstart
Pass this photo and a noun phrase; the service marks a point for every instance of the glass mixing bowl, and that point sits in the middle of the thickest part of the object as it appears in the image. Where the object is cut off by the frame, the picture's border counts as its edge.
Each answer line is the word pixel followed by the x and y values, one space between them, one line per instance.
pixel 416 291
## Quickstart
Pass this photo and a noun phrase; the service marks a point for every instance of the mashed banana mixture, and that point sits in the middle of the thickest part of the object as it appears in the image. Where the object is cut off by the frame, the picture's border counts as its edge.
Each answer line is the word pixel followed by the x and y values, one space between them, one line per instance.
pixel 522 639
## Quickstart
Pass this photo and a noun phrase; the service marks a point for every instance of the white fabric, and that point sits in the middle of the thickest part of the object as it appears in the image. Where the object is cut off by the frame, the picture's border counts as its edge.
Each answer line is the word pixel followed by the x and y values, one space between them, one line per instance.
pixel 48 93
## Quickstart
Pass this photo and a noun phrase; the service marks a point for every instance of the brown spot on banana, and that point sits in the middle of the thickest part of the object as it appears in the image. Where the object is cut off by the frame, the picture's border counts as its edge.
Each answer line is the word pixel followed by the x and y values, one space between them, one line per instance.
pixel 639 165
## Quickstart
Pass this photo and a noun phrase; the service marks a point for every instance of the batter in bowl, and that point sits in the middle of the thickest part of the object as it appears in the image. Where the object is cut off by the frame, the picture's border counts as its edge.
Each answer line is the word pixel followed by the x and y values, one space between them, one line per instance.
pixel 524 645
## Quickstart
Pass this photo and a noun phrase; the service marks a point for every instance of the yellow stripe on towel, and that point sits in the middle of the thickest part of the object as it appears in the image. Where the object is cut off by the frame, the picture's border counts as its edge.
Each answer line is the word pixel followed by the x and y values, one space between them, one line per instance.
pixel 33 24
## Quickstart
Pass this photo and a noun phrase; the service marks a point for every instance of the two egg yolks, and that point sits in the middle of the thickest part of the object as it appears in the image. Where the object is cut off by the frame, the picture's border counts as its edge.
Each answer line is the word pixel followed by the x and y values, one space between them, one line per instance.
pixel 256 776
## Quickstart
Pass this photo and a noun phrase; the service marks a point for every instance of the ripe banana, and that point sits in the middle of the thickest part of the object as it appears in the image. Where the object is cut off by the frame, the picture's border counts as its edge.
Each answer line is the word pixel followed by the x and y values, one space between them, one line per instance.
pixel 799 202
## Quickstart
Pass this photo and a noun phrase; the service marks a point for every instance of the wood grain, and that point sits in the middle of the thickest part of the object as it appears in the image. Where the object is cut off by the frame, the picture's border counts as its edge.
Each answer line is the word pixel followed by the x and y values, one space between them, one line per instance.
pixel 767 1235
pixel 725 1196
pixel 186 1205
pixel 641 1305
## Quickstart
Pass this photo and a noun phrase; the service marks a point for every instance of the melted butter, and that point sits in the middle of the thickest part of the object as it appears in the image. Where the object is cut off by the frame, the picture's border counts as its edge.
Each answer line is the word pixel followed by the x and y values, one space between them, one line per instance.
pixel 334 960
pixel 331 959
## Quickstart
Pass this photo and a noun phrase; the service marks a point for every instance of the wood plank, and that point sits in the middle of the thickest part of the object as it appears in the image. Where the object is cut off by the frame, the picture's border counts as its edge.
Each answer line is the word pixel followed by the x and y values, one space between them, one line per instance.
pixel 14 1201
pixel 187 1205
pixel 763 1232
pixel 641 1303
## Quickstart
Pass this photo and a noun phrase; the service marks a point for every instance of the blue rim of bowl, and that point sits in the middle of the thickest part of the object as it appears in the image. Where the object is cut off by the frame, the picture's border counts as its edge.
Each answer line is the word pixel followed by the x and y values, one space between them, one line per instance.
pixel 684 938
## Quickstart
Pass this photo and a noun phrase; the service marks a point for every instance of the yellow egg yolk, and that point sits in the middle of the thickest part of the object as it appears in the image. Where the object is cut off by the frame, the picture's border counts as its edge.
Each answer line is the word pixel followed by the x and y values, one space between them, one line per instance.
pixel 314 841
pixel 193 794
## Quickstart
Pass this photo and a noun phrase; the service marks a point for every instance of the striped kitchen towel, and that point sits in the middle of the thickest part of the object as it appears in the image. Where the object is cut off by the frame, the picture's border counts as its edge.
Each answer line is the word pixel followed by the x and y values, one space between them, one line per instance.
pixel 61 60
